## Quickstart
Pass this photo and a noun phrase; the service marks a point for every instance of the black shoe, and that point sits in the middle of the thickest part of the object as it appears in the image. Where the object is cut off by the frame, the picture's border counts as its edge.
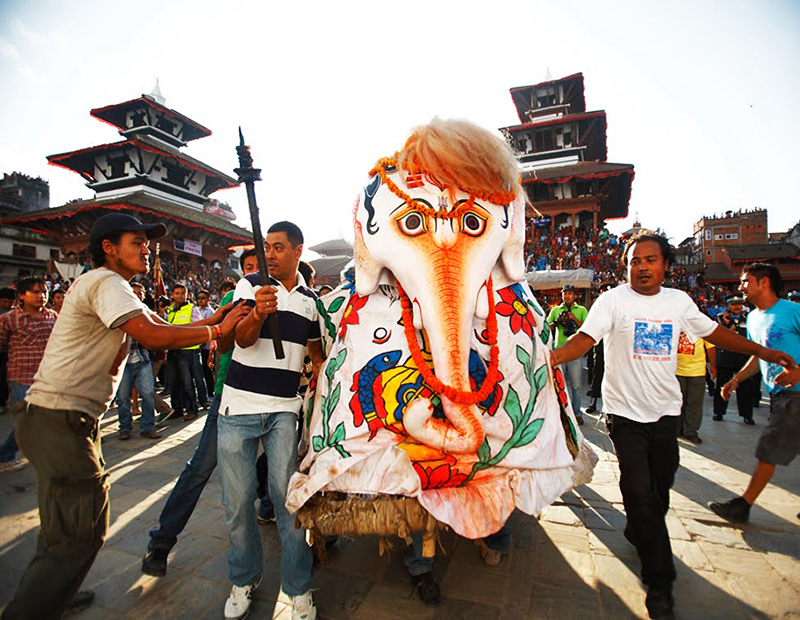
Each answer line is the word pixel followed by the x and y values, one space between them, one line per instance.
pixel 580 420
pixel 592 406
pixel 427 588
pixel 80 601
pixel 659 602
pixel 155 562
pixel 124 435
pixel 693 438
pixel 736 510
pixel 717 417
pixel 749 421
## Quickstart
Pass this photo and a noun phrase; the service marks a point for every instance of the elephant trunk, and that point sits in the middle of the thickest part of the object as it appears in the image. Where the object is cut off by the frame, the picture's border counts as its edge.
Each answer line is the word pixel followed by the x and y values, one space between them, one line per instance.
pixel 449 329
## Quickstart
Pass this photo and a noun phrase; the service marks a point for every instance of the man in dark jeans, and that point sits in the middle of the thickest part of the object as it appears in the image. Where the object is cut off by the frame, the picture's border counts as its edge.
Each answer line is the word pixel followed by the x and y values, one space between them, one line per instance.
pixel 186 493
pixel 640 323
pixel 729 362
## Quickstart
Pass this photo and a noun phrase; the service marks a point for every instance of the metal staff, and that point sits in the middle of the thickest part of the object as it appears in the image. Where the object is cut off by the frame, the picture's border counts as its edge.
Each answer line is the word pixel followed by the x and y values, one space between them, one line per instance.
pixel 249 175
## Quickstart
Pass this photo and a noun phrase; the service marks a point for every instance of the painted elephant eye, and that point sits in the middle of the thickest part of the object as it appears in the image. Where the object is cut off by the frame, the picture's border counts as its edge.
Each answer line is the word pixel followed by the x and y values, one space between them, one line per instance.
pixel 412 224
pixel 473 224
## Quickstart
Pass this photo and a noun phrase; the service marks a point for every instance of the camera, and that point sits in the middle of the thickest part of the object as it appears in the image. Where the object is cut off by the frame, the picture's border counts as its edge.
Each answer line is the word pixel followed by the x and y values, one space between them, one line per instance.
pixel 163 301
pixel 567 324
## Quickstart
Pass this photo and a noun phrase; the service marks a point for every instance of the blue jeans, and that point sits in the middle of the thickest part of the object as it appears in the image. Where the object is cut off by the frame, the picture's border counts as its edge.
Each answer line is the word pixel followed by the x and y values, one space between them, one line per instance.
pixel 9 449
pixel 179 379
pixel 417 565
pixel 139 374
pixel 573 377
pixel 238 440
pixel 181 502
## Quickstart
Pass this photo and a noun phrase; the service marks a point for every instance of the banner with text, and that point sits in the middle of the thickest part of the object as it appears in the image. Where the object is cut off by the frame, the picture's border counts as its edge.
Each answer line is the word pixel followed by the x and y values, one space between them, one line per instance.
pixel 190 247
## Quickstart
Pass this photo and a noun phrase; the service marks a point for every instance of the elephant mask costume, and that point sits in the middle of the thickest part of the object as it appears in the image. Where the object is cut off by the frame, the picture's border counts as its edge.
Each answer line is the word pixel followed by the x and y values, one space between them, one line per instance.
pixel 437 382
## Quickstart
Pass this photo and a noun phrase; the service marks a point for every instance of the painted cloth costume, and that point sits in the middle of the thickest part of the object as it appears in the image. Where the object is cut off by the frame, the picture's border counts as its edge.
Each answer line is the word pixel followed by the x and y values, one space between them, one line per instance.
pixel 437 384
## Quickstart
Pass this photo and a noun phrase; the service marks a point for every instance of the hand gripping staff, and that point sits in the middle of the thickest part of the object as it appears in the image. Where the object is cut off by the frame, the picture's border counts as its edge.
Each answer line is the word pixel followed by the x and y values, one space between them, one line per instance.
pixel 249 175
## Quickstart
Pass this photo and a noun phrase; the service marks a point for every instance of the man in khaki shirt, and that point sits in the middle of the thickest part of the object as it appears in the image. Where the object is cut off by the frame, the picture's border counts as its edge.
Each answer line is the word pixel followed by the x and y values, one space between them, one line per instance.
pixel 57 427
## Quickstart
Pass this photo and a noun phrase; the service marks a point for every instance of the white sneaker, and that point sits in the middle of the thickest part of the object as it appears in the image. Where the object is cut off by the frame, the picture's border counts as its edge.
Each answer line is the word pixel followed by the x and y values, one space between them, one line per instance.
pixel 238 603
pixel 303 607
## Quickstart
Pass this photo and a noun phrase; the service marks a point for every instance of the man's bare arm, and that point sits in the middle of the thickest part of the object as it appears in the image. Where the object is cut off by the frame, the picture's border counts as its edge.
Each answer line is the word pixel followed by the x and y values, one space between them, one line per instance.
pixel 577 345
pixel 154 334
pixel 747 371
pixel 730 340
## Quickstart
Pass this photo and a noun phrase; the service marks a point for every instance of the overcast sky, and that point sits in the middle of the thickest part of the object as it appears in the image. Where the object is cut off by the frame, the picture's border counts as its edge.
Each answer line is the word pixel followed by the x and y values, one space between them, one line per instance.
pixel 702 97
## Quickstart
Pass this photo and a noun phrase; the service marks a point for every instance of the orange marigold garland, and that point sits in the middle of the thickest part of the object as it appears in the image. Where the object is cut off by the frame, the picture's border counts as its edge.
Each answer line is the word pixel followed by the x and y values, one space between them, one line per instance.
pixel 462 397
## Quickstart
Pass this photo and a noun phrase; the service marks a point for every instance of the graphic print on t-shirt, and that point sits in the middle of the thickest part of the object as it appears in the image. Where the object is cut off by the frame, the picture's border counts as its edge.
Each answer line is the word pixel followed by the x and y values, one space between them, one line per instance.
pixel 685 346
pixel 652 340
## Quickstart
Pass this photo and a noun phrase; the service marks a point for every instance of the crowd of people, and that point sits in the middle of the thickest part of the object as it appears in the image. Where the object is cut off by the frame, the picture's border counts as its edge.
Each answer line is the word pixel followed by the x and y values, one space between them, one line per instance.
pixel 174 342
pixel 602 253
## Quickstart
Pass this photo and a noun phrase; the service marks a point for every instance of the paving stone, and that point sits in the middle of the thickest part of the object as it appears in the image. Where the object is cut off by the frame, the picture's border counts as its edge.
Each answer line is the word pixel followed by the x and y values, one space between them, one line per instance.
pixel 394 601
pixel 566 515
pixel 720 533
pixel 690 554
pixel 468 577
pixel 737 561
pixel 675 527
pixel 600 519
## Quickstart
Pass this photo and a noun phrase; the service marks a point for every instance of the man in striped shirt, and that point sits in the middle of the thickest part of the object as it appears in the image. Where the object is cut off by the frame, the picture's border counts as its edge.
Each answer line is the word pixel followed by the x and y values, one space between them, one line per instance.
pixel 260 403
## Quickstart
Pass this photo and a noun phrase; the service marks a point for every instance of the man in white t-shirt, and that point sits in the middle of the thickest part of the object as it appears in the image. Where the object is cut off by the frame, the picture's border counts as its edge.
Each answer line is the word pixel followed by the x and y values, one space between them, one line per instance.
pixel 57 426
pixel 640 324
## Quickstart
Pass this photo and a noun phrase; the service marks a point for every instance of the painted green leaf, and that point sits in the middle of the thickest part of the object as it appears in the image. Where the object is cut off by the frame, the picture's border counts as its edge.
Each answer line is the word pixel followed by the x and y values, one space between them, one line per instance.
pixel 317 443
pixel 338 434
pixel 535 307
pixel 540 378
pixel 334 399
pixel 530 432
pixel 545 334
pixel 512 407
pixel 523 357
pixel 335 364
pixel 485 451
pixel 336 304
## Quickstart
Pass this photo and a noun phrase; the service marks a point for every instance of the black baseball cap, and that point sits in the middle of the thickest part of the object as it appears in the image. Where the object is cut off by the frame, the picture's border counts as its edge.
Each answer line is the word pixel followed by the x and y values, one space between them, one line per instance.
pixel 123 222
pixel 568 287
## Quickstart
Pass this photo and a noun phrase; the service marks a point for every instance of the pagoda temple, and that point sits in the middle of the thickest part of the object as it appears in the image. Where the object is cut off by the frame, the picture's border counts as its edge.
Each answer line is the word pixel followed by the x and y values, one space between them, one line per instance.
pixel 147 174
pixel 563 156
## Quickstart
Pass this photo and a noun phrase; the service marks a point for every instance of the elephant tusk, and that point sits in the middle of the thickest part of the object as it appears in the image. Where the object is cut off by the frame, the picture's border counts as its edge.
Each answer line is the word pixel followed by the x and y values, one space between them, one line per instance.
pixel 417 316
pixel 482 303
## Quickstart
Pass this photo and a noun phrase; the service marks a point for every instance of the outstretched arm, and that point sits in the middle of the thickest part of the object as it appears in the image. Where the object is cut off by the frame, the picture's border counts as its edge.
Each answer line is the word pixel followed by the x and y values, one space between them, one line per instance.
pixel 577 345
pixel 153 334
pixel 730 340
pixel 747 371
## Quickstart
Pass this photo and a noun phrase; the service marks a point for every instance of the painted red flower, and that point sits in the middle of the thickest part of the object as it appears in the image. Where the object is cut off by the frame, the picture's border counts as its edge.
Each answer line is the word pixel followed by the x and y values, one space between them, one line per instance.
pixel 513 305
pixel 439 477
pixel 558 380
pixel 350 316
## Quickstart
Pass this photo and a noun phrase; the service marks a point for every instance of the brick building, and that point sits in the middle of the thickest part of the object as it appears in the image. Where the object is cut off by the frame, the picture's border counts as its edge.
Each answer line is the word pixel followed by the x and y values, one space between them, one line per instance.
pixel 734 228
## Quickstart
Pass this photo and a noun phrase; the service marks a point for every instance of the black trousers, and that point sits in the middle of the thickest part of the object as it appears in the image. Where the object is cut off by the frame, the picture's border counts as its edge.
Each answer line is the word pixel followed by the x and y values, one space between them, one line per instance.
pixel 746 393
pixel 597 354
pixel 648 459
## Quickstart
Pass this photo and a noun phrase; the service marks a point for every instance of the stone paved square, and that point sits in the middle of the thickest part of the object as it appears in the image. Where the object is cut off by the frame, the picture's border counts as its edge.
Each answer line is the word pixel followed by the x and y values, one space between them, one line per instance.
pixel 571 562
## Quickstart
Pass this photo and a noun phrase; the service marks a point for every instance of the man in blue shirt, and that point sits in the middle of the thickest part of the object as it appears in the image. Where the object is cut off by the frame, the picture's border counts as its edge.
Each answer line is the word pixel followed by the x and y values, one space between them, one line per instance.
pixel 775 323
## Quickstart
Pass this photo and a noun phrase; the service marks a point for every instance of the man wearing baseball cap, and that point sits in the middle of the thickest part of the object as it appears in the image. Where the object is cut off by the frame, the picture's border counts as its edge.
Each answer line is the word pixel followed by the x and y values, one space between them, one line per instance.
pixel 565 319
pixel 728 362
pixel 57 426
